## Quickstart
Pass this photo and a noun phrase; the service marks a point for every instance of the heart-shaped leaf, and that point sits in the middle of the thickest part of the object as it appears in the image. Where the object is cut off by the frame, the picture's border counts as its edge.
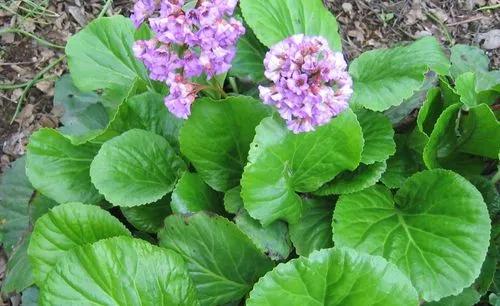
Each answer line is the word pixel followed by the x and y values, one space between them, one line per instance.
pixel 436 229
pixel 282 163
pixel 119 271
pixel 67 227
pixel 222 261
pixel 217 136
pixel 401 165
pixel 136 168
pixel 338 276
pixel 273 21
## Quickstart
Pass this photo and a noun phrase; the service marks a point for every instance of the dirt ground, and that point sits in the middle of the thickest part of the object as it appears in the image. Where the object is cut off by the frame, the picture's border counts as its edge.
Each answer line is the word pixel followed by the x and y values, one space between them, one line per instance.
pixel 364 24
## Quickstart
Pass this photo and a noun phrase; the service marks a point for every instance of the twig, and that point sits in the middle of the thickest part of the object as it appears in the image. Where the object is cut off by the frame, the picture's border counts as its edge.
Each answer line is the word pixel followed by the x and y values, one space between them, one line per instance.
pixel 21 85
pixel 38 39
pixel 105 8
pixel 466 21
pixel 32 82
pixel 443 27
pixel 489 7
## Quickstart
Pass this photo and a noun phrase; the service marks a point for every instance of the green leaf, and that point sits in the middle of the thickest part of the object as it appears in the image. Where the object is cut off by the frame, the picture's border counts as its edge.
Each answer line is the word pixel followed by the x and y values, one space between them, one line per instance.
pixel 378 135
pixel 148 218
pixel 489 192
pixel 352 181
pixel 273 21
pixel 273 240
pixel 465 58
pixel 401 165
pixel 488 81
pixel 136 168
pixel 338 276
pixel 191 195
pixel 30 297
pixel 119 271
pixel 439 246
pixel 217 136
pixel 386 77
pixel 468 297
pixel 314 229
pixel 15 194
pixel 40 205
pixel 443 139
pixel 282 163
pixel 67 227
pixel 249 60
pixel 100 57
pixel 59 169
pixel 431 110
pixel 232 200
pixel 84 115
pixel 146 111
pixel 19 272
pixel 397 114
pixel 480 132
pixel 222 261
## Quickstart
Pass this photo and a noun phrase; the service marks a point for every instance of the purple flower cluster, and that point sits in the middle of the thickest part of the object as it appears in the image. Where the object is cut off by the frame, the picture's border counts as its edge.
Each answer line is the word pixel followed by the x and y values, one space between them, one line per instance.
pixel 310 82
pixel 188 43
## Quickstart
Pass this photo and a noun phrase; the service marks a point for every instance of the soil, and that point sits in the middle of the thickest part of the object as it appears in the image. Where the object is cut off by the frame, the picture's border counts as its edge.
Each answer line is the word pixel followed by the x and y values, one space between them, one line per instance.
pixel 364 24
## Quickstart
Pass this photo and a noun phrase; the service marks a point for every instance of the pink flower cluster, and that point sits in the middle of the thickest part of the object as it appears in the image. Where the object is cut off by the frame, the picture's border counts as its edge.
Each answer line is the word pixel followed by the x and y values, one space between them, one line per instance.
pixel 310 82
pixel 188 43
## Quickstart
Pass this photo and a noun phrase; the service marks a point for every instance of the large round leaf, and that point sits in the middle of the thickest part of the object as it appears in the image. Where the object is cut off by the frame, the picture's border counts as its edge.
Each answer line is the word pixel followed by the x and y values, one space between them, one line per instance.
pixel 435 229
pixel 136 168
pixel 119 271
pixel 282 163
pixel 148 218
pixel 330 277
pixel 59 169
pixel 222 261
pixel 314 229
pixel 378 135
pixel 351 181
pixel 466 58
pixel 386 77
pixel 192 194
pixel 100 56
pixel 146 111
pixel 217 135
pixel 67 227
pixel 273 21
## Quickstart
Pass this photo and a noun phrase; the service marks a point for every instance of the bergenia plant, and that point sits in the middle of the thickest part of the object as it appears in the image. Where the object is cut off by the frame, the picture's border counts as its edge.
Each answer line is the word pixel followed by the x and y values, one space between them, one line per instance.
pixel 217 152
